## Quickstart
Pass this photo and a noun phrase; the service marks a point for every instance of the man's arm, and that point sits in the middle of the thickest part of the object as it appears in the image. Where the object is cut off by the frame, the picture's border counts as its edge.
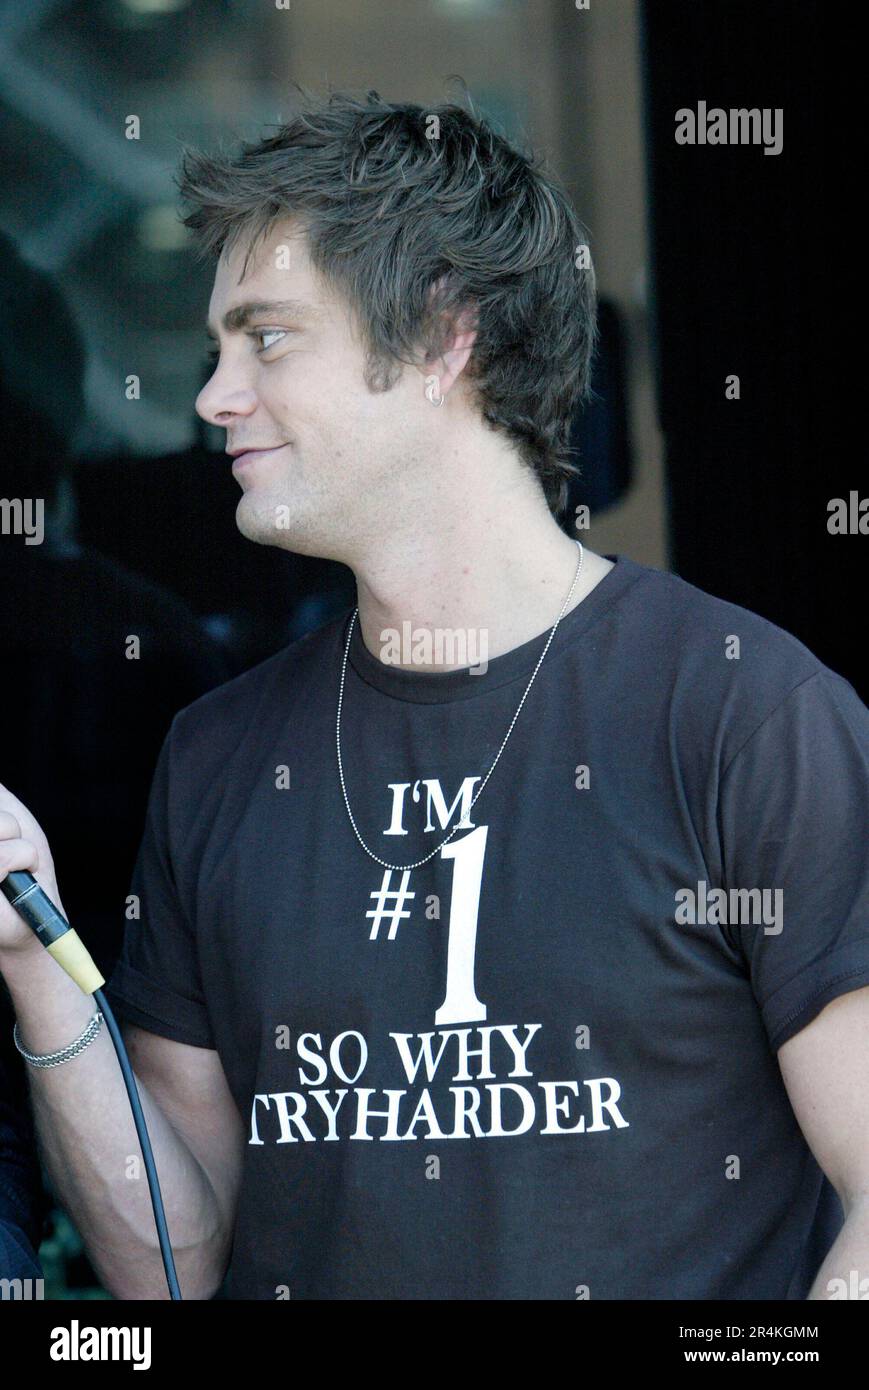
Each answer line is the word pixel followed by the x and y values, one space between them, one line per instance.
pixel 84 1123
pixel 88 1141
pixel 825 1069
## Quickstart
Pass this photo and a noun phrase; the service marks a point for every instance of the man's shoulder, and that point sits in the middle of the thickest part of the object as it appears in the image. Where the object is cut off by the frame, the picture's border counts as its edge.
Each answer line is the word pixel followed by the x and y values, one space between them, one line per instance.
pixel 230 708
pixel 717 665
pixel 697 631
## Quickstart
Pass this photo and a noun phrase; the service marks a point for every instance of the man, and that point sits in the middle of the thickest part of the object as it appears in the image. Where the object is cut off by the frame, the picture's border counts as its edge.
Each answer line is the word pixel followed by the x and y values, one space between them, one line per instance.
pixel 534 967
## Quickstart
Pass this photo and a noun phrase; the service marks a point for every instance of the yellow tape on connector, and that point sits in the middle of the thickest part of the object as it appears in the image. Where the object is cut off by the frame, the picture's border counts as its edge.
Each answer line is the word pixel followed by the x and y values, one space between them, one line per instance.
pixel 72 956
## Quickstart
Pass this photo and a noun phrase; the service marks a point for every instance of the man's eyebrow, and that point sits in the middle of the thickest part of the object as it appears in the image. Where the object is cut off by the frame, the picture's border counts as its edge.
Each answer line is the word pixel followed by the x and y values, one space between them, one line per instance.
pixel 234 320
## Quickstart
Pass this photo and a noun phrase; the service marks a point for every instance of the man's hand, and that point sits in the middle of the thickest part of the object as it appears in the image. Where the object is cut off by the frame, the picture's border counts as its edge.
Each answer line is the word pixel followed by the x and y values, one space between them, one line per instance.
pixel 22 846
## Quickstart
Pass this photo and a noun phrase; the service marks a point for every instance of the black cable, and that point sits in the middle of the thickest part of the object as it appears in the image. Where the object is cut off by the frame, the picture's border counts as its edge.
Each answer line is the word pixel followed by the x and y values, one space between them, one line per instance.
pixel 147 1154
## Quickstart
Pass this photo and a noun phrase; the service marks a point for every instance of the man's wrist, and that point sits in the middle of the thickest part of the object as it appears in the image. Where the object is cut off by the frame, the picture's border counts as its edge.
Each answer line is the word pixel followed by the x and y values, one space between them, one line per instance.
pixel 22 960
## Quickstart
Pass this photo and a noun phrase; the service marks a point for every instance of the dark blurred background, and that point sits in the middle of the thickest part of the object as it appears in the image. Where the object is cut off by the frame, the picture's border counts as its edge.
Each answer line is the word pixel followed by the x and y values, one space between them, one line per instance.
pixel 711 262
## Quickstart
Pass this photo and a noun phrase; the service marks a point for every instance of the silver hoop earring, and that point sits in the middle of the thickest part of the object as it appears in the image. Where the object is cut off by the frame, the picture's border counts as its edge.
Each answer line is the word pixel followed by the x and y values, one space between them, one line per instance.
pixel 432 386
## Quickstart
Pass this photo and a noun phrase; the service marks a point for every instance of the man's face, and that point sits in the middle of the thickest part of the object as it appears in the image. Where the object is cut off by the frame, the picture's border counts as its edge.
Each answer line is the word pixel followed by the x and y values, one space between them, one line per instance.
pixel 338 461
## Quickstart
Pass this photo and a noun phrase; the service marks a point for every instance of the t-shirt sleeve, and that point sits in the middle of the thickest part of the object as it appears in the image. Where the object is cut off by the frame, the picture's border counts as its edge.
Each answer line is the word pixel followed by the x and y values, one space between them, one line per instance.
pixel 794 820
pixel 156 982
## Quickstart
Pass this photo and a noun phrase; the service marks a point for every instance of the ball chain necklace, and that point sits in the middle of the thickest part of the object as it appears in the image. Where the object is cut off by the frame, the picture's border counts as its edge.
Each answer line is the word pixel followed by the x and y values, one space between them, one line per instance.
pixel 403 867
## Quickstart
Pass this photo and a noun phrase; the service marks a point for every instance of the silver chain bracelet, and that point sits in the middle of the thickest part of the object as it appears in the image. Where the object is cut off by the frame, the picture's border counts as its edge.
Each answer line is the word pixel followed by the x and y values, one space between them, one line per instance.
pixel 54 1059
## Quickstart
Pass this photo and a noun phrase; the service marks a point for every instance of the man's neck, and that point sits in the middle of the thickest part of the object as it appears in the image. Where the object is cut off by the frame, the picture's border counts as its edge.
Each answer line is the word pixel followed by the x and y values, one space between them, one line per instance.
pixel 497 585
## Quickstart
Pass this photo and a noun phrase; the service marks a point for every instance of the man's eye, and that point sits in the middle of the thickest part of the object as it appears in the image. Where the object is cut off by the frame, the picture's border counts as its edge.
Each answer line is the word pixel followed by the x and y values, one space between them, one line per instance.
pixel 268 333
pixel 259 333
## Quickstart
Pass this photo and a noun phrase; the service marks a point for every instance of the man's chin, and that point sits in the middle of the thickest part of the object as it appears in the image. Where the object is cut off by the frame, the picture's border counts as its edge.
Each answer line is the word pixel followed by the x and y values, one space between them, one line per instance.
pixel 264 524
pixel 275 523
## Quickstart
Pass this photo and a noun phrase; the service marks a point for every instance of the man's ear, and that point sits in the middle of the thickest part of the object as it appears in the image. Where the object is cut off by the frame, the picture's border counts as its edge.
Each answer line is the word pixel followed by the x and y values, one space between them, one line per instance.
pixel 459 341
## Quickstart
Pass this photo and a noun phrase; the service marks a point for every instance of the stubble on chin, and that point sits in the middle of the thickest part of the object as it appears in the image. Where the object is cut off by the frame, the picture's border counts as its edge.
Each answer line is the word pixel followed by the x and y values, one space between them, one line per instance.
pixel 255 520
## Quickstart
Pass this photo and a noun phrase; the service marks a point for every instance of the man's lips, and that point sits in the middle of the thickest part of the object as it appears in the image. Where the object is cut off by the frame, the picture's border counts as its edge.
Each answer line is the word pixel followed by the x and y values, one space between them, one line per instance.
pixel 241 457
pixel 253 449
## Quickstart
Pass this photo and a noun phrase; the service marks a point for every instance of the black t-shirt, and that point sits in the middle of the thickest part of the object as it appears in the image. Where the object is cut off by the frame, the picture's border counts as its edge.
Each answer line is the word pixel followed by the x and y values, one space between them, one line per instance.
pixel 543 1064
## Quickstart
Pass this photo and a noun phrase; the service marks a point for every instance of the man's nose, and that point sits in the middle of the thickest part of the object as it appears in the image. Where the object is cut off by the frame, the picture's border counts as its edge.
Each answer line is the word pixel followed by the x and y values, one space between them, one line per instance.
pixel 221 398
